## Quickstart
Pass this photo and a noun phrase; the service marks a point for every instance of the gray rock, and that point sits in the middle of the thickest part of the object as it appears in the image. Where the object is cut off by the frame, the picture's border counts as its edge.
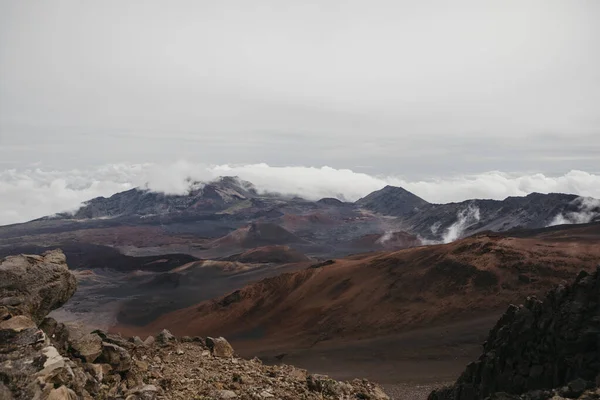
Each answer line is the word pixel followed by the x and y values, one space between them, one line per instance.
pixel 165 337
pixel 35 285
pixel 57 332
pixel 137 341
pixel 146 392
pixel 149 341
pixel 225 394
pixel 115 356
pixel 89 347
pixel 538 347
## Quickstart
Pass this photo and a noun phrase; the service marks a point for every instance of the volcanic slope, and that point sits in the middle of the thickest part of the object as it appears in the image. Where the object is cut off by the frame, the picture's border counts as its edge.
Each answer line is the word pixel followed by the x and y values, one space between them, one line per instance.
pixel 372 295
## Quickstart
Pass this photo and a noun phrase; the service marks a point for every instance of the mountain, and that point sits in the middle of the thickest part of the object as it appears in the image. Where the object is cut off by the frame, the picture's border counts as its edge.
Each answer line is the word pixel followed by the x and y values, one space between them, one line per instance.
pixel 228 216
pixel 392 200
pixel 453 220
pixel 213 196
pixel 447 222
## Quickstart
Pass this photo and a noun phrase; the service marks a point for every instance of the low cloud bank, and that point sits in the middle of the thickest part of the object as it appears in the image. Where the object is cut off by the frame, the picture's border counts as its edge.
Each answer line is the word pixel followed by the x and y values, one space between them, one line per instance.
pixel 33 193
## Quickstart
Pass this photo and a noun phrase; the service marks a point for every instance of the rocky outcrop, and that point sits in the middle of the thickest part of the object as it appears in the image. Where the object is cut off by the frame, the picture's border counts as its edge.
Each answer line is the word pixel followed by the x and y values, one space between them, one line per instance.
pixel 540 349
pixel 34 285
pixel 43 359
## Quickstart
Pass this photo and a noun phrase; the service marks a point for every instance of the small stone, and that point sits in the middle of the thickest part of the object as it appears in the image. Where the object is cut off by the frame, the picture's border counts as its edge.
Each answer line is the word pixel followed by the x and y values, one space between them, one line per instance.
pixel 137 341
pixel 164 337
pixel 141 365
pixel 179 351
pixel 225 394
pixel 149 341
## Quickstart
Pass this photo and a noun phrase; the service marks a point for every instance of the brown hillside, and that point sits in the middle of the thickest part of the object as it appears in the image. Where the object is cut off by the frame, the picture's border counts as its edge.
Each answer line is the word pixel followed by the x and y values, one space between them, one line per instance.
pixel 257 234
pixel 382 293
pixel 270 254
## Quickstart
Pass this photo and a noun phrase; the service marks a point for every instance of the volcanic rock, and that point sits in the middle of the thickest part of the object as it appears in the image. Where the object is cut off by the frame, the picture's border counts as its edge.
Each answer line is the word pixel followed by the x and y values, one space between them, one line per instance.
pixel 35 285
pixel 89 347
pixel 219 347
pixel 164 337
pixel 539 346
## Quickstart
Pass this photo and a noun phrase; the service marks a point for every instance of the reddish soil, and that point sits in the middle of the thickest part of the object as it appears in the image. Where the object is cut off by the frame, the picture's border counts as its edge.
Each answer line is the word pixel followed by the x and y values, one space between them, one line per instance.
pixel 270 254
pixel 294 221
pixel 387 241
pixel 257 234
pixel 378 294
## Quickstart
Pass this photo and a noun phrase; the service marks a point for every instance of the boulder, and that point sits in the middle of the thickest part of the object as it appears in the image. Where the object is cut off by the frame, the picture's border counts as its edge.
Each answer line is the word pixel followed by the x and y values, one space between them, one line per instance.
pixel 115 356
pixel 88 347
pixel 219 347
pixel 35 285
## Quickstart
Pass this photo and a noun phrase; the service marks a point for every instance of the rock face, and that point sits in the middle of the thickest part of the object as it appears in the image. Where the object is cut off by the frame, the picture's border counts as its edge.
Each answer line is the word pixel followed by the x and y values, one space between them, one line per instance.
pixel 537 347
pixel 35 285
pixel 43 359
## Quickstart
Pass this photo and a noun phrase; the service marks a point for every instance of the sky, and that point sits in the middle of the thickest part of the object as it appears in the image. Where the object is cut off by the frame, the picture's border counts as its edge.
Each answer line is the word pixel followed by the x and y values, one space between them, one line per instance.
pixel 430 92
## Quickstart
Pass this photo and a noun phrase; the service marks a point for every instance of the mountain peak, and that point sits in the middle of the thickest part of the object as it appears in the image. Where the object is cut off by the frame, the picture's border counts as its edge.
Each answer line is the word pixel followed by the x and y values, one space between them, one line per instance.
pixel 392 200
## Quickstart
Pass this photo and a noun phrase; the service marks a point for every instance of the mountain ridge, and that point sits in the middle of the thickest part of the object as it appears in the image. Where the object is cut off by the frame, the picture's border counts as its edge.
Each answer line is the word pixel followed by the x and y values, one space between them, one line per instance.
pixel 205 216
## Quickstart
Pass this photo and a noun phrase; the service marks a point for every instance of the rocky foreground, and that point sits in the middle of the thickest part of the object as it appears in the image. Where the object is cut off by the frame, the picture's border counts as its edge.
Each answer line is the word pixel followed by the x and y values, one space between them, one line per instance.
pixel 43 359
pixel 541 350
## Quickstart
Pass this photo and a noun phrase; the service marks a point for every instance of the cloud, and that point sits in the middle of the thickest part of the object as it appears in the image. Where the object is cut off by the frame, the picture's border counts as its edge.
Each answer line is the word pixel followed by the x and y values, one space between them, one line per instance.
pixel 588 210
pixel 33 193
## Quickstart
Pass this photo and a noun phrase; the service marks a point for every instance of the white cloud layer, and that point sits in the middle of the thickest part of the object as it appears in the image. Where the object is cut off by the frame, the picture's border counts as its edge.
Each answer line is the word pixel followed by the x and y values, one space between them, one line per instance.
pixel 32 193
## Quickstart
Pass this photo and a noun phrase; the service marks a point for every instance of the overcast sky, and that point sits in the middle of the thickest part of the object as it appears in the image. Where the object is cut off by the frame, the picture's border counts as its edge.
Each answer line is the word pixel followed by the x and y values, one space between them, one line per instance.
pixel 415 89
pixel 409 87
